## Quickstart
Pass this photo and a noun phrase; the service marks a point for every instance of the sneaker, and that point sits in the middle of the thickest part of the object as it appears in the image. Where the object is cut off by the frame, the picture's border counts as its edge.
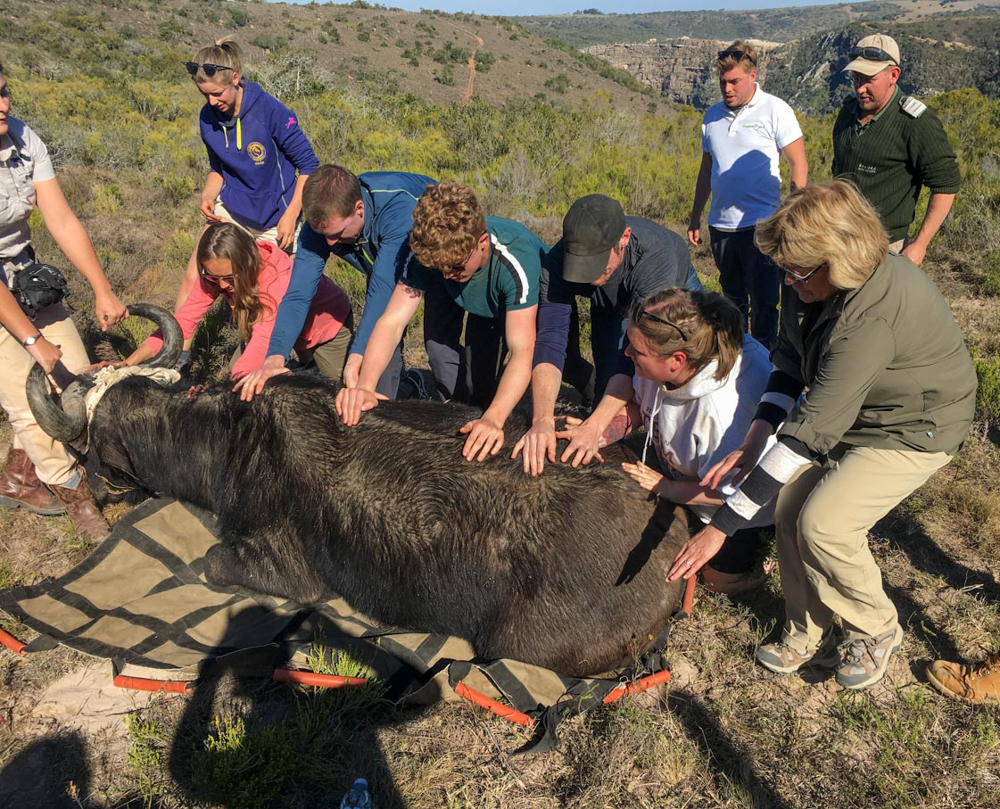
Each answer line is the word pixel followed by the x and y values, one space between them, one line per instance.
pixel 865 660
pixel 979 685
pixel 412 386
pixel 783 659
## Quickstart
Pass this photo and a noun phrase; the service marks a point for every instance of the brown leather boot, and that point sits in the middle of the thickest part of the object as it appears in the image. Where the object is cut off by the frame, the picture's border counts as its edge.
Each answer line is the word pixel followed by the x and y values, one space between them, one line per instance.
pixel 976 684
pixel 82 509
pixel 21 488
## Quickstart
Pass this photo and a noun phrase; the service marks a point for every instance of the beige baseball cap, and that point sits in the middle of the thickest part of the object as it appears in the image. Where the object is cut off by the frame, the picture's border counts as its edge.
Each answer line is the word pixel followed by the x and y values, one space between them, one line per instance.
pixel 873 54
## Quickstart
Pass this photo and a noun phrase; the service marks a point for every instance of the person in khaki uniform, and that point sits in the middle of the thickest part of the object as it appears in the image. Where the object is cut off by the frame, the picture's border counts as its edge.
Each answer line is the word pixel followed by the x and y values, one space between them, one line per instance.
pixel 40 474
pixel 889 397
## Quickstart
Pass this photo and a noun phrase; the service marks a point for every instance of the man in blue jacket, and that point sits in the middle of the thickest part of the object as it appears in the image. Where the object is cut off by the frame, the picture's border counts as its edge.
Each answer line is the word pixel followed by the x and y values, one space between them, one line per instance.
pixel 366 221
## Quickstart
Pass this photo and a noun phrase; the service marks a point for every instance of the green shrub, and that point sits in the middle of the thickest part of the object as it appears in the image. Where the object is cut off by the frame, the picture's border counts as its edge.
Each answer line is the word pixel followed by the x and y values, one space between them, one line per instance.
pixel 558 84
pixel 988 396
pixel 445 76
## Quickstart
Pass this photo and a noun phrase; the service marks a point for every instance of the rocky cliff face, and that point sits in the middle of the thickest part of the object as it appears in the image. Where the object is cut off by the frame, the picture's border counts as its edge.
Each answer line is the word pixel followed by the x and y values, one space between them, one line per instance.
pixel 808 73
pixel 682 69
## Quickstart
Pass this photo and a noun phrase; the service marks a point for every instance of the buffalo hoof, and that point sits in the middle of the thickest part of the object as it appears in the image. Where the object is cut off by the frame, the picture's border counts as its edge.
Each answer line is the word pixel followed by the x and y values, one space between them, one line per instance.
pixel 223 567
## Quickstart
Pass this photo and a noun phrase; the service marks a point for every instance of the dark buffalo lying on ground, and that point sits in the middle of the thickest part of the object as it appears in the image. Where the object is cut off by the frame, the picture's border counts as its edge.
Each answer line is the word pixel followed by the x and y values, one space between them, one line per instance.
pixel 565 570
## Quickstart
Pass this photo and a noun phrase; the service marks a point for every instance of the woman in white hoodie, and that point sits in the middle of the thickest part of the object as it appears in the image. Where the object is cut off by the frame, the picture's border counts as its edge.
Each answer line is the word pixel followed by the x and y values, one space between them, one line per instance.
pixel 698 380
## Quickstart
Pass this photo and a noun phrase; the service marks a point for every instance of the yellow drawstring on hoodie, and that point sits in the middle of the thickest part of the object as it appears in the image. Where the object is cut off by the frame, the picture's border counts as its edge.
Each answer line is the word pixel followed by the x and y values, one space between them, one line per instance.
pixel 239 136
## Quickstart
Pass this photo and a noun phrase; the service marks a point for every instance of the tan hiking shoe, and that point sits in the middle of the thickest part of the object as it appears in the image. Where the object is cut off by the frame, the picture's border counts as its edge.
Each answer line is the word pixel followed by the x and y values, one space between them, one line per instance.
pixel 783 659
pixel 976 684
pixel 21 488
pixel 82 509
pixel 865 660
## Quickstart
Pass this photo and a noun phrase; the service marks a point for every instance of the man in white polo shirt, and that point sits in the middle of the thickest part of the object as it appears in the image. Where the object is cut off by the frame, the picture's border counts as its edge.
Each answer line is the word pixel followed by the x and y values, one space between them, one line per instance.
pixel 741 138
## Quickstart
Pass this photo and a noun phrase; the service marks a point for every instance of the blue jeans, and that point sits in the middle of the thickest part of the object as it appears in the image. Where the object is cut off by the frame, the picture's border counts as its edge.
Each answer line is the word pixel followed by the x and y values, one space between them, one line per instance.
pixel 750 280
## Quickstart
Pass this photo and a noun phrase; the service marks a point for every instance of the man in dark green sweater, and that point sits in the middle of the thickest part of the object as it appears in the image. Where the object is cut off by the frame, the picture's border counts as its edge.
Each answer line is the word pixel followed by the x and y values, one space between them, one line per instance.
pixel 890 145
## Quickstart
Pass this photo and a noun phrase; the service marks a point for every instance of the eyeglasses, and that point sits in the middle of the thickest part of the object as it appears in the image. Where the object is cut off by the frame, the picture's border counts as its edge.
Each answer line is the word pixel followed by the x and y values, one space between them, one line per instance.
pixel 216 279
pixel 457 269
pixel 639 312
pixel 207 67
pixel 738 55
pixel 802 279
pixel 872 54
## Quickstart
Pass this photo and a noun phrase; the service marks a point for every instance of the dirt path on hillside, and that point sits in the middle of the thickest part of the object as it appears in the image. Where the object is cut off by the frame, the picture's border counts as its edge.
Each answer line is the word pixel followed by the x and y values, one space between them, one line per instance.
pixel 470 85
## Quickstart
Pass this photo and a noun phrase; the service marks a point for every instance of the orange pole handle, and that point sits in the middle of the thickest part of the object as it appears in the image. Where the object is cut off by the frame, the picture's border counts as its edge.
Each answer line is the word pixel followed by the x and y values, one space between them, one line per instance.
pixel 12 643
pixel 689 595
pixel 322 680
pixel 637 686
pixel 144 684
pixel 503 711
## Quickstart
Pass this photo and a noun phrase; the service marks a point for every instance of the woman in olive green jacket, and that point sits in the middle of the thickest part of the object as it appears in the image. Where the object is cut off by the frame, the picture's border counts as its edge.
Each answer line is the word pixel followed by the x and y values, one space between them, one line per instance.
pixel 889 397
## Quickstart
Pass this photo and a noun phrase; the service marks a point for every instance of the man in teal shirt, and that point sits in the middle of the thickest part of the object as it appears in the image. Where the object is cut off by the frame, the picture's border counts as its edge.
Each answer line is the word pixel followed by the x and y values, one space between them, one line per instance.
pixel 463 261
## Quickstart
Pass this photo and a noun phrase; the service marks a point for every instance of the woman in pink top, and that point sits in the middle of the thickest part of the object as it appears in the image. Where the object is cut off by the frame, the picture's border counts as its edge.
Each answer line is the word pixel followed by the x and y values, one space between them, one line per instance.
pixel 253 277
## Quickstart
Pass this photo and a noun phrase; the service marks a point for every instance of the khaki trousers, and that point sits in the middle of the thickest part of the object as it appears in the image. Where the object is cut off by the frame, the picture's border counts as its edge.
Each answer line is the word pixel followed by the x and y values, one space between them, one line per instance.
pixel 821 522
pixel 269 235
pixel 52 459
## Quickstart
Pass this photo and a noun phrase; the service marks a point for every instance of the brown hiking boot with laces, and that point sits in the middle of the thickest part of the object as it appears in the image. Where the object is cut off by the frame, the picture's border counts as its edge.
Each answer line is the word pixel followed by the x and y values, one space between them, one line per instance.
pixel 976 684
pixel 21 488
pixel 82 509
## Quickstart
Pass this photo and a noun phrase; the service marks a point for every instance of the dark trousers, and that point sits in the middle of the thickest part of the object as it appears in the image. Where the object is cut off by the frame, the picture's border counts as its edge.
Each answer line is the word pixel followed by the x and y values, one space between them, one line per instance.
pixel 750 280
pixel 467 373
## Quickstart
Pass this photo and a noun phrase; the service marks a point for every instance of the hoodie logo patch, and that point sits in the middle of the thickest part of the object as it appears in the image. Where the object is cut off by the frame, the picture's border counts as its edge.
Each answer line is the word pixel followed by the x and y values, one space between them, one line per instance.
pixel 257 153
pixel 291 123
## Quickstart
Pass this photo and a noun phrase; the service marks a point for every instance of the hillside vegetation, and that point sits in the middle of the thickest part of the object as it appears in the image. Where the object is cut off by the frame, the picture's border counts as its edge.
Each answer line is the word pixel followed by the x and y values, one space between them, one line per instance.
pixel 104 84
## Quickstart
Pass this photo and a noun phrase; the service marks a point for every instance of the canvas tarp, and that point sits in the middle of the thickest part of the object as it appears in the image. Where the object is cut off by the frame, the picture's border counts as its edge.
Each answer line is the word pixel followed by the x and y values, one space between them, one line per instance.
pixel 141 600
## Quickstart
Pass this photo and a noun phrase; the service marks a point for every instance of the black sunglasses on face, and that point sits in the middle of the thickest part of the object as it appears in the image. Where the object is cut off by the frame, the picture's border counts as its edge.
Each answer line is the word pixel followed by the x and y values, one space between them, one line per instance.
pixel 738 55
pixel 207 67
pixel 639 312
pixel 872 54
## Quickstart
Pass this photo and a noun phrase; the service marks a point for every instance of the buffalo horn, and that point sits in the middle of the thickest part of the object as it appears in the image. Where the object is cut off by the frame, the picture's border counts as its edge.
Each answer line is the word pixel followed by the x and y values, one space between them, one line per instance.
pixel 173 340
pixel 65 423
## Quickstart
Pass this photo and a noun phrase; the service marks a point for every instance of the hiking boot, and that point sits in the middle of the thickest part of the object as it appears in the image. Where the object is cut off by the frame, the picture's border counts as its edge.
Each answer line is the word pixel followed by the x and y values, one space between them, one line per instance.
pixel 783 659
pixel 980 685
pixel 412 386
pixel 21 488
pixel 82 509
pixel 866 659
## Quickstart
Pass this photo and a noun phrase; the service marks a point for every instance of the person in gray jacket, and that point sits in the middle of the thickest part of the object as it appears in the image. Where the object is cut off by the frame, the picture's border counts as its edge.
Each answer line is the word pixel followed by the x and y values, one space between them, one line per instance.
pixel 890 393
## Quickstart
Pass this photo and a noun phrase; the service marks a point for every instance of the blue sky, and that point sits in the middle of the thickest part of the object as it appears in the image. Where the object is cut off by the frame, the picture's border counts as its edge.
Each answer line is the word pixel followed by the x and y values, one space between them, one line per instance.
pixel 514 7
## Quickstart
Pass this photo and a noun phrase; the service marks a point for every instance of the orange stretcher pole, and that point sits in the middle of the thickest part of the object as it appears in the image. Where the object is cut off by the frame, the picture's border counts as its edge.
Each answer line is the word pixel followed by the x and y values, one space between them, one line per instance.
pixel 12 643
pixel 145 684
pixel 321 680
pixel 503 711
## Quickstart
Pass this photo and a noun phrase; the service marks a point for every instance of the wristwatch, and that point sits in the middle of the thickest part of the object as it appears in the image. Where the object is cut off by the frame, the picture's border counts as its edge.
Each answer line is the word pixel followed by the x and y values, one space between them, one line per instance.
pixel 30 341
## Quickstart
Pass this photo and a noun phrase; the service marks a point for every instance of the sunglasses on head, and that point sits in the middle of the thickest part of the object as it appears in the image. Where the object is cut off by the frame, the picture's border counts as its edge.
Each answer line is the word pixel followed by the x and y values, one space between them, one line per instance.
pixel 871 54
pixel 206 67
pixel 639 312
pixel 216 279
pixel 738 55
pixel 802 279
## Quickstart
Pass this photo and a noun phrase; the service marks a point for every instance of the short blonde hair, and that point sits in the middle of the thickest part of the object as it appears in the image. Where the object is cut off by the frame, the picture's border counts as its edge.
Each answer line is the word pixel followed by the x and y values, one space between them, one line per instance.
pixel 827 223
pixel 706 326
pixel 224 53
pixel 447 224
pixel 750 57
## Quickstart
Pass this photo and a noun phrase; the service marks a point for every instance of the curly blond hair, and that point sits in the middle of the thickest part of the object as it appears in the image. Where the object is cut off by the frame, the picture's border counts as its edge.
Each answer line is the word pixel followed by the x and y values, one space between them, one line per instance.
pixel 827 223
pixel 447 224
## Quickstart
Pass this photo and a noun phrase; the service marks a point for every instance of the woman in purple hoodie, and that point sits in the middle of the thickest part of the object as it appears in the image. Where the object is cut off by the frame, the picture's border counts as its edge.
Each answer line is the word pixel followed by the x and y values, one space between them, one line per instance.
pixel 257 154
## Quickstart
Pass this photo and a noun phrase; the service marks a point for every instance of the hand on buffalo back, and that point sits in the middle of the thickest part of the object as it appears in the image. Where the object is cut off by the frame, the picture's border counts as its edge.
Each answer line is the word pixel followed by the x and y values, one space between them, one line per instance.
pixel 253 383
pixel 352 402
pixel 585 442
pixel 537 444
pixel 485 438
